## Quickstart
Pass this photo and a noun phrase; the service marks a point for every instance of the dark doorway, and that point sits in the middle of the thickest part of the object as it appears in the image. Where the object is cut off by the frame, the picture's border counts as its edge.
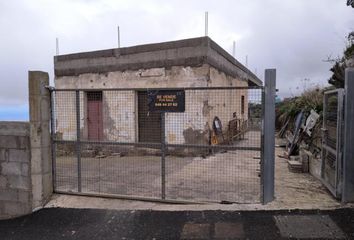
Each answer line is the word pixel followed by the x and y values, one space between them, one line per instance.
pixel 94 116
pixel 149 123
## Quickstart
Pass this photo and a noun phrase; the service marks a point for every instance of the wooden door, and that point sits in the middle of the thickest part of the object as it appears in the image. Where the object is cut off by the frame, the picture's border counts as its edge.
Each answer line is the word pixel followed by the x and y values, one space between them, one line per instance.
pixel 149 123
pixel 94 116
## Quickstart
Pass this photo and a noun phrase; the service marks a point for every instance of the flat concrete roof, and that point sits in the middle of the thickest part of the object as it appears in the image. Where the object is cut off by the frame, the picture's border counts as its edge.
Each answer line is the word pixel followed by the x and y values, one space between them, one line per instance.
pixel 187 52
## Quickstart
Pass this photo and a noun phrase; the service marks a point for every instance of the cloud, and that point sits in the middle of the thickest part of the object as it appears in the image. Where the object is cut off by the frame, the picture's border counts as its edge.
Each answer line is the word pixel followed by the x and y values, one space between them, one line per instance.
pixel 292 36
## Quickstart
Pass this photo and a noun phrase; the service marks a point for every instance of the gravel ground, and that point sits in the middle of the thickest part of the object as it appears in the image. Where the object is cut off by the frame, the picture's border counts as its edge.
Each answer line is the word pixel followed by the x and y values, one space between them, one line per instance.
pixel 231 176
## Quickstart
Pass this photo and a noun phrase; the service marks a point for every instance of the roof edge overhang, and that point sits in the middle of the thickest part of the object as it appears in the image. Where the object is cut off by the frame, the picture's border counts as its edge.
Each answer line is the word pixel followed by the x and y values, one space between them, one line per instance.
pixel 187 52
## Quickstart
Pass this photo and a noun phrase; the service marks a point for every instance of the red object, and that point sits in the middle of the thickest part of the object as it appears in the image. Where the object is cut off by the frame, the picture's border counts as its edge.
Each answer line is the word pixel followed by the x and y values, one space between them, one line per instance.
pixel 94 115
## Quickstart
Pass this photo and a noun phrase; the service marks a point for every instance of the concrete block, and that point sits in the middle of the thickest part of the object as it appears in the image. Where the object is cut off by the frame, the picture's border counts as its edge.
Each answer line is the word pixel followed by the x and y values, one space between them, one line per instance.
pixel 19 182
pixel 24 197
pixel 25 169
pixel 8 142
pixel 310 163
pixel 23 142
pixel 16 208
pixel 19 155
pixel 14 142
pixel 11 168
pixel 295 166
pixel 315 167
pixel 3 182
pixel 4 154
pixel 14 129
pixel 8 195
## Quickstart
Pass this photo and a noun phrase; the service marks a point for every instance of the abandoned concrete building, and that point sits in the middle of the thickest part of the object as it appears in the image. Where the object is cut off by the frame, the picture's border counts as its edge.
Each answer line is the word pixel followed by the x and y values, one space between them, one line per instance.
pixel 122 115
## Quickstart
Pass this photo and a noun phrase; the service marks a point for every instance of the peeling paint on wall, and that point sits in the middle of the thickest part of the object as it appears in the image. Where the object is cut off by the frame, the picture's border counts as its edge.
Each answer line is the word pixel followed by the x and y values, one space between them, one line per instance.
pixel 119 110
pixel 206 108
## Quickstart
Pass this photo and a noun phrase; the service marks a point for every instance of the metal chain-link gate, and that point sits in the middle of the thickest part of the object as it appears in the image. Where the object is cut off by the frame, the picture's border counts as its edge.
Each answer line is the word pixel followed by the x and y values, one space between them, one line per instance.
pixel 332 140
pixel 205 146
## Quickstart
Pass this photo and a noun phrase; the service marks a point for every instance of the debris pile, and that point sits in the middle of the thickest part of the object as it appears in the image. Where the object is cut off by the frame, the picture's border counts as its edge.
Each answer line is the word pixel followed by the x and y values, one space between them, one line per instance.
pixel 299 136
pixel 299 128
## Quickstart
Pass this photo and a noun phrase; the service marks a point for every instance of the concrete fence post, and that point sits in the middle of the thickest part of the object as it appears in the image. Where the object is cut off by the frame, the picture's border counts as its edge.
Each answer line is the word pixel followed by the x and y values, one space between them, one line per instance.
pixel 268 155
pixel 348 154
pixel 41 162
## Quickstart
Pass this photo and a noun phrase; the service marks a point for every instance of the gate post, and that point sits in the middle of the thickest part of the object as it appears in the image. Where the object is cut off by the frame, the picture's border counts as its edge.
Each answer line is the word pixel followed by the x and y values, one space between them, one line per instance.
pixel 39 115
pixel 268 141
pixel 78 139
pixel 163 157
pixel 348 150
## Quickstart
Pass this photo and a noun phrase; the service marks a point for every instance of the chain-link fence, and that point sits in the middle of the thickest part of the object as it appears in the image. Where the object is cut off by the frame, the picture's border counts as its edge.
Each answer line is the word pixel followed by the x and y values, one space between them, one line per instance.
pixel 332 140
pixel 205 145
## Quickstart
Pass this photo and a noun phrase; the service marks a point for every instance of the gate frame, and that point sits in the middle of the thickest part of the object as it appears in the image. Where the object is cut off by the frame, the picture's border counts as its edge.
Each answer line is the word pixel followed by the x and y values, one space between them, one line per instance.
pixel 266 150
pixel 336 190
pixel 268 136
pixel 348 150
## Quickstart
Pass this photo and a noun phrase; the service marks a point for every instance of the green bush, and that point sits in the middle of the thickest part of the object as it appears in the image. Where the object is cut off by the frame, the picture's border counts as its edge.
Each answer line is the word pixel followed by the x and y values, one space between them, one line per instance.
pixel 309 99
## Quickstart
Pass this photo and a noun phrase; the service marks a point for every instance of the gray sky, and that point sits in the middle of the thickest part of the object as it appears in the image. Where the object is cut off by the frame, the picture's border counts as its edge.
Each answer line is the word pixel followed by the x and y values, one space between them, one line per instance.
pixel 292 36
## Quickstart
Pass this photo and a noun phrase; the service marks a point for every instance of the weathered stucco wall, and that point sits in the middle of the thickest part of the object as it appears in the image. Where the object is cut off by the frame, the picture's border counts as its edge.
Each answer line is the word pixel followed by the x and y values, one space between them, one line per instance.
pixel 65 114
pixel 173 77
pixel 224 103
pixel 190 126
pixel 119 116
pixel 187 52
pixel 15 170
pixel 120 107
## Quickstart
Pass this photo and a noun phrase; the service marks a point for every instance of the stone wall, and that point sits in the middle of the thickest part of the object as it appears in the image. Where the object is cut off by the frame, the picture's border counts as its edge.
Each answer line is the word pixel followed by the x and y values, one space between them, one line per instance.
pixel 15 169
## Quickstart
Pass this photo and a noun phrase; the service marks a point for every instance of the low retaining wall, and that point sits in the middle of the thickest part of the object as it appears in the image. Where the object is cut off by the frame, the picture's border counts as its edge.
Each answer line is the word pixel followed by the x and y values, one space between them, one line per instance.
pixel 314 164
pixel 15 169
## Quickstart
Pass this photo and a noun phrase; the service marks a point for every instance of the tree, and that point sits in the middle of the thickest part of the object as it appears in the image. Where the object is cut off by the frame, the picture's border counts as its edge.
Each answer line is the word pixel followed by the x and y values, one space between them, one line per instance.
pixel 338 69
pixel 350 3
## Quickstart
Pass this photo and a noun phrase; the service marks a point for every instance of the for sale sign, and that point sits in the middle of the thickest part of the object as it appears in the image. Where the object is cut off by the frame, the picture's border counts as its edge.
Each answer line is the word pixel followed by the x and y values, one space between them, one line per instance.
pixel 166 100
